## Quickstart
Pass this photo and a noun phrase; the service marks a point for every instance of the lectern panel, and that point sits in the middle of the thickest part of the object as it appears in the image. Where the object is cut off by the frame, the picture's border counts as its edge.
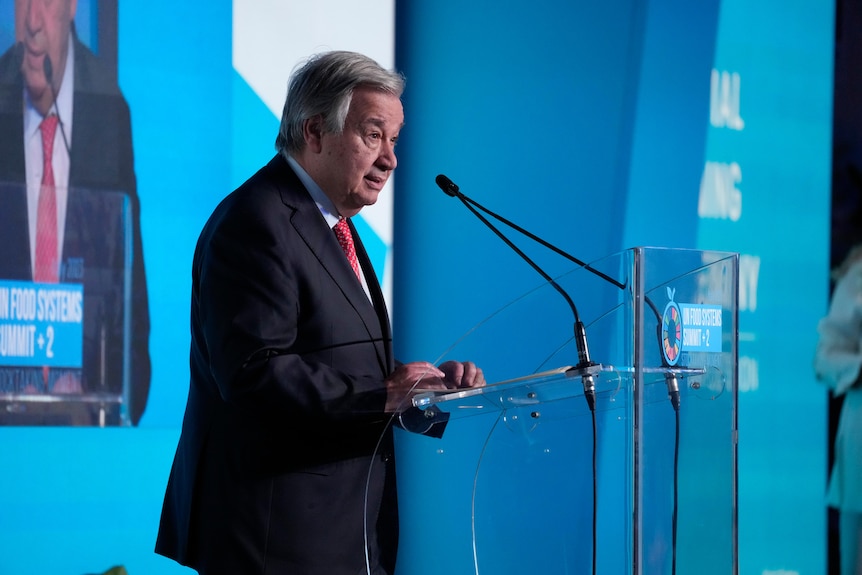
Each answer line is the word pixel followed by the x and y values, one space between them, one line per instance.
pixel 534 475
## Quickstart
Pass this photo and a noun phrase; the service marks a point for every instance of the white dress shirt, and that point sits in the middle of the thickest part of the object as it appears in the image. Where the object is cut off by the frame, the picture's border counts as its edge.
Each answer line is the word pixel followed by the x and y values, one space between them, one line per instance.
pixel 325 205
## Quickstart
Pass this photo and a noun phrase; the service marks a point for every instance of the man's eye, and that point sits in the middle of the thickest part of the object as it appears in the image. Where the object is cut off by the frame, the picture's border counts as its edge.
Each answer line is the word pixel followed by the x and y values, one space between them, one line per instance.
pixel 373 139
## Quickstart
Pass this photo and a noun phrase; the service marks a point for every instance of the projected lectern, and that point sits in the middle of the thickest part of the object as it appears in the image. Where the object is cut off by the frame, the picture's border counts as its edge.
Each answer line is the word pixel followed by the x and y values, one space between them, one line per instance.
pixel 65 343
pixel 526 478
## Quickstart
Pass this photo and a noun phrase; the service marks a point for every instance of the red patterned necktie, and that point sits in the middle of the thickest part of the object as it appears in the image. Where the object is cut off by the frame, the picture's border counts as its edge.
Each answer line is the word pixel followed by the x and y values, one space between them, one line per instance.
pixel 46 216
pixel 345 238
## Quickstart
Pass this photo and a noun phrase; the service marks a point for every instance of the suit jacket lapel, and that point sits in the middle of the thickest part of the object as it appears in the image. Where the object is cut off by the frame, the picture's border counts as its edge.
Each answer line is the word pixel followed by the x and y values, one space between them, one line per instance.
pixel 376 296
pixel 320 239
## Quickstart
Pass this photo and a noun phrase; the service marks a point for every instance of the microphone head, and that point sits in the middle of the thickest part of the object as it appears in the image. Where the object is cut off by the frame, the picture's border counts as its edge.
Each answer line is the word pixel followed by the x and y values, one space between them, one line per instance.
pixel 447 186
pixel 48 69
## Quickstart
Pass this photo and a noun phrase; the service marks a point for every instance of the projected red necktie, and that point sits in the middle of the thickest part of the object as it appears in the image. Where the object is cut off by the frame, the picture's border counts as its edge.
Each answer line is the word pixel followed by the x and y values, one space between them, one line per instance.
pixel 345 238
pixel 46 215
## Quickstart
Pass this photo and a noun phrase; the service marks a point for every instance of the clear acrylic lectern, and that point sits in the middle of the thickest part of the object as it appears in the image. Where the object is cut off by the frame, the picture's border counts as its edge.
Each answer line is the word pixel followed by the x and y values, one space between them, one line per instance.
pixel 526 478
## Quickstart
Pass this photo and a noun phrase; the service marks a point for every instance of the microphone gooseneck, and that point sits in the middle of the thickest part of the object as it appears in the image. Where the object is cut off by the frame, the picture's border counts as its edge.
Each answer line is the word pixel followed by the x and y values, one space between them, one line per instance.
pixel 452 190
pixel 48 69
pixel 585 365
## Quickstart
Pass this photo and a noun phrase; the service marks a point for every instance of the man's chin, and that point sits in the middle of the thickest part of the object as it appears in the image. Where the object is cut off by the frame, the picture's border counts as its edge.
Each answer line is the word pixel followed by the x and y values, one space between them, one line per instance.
pixel 357 200
pixel 369 198
pixel 35 83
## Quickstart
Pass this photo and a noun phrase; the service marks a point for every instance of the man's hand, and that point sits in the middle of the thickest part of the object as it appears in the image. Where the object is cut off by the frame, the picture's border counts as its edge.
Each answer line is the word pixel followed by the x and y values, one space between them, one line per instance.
pixel 421 375
pixel 460 375
pixel 401 385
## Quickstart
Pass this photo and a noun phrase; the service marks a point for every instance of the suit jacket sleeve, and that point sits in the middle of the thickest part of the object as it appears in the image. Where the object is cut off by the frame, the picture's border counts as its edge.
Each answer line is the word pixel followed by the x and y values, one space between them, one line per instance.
pixel 280 325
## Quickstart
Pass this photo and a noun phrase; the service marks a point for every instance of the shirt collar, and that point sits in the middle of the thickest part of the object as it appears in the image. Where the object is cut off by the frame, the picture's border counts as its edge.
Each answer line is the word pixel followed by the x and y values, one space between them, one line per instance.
pixel 324 204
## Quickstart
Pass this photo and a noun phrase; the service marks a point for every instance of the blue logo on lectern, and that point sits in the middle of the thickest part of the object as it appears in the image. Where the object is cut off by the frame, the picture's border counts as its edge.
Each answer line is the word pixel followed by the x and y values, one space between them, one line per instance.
pixel 671 330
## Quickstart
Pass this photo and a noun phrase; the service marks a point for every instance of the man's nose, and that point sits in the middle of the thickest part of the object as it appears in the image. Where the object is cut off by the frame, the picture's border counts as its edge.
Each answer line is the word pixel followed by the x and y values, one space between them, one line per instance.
pixel 387 159
pixel 34 15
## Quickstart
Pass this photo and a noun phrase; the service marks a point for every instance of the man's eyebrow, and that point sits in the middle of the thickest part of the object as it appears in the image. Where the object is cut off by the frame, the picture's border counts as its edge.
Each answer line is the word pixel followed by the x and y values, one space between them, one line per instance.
pixel 376 121
pixel 379 124
pixel 372 121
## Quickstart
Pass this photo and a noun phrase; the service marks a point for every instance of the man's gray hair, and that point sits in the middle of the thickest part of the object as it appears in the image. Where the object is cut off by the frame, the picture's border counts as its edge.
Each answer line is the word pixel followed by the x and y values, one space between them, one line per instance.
pixel 324 86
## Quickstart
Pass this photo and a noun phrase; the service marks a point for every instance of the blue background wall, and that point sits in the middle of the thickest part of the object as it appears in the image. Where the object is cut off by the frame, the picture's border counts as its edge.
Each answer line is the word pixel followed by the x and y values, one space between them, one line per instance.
pixel 587 123
pixel 591 125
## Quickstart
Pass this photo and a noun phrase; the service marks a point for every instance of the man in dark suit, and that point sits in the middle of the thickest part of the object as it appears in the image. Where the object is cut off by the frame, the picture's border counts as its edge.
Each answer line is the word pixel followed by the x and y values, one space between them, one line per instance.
pixel 285 462
pixel 50 72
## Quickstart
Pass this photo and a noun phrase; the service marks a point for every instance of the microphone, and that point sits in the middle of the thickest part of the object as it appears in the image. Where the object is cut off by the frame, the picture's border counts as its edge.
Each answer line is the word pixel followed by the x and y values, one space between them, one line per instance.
pixel 49 77
pixel 585 366
pixel 448 186
pixel 672 382
pixel 452 190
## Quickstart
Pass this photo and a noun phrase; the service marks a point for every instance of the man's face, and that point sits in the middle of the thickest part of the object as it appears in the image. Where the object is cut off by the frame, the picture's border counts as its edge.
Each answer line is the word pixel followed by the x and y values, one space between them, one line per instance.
pixel 354 166
pixel 43 27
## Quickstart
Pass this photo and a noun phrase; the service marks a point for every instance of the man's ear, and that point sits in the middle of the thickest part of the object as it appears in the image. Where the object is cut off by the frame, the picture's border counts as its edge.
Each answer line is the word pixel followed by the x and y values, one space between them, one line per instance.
pixel 312 132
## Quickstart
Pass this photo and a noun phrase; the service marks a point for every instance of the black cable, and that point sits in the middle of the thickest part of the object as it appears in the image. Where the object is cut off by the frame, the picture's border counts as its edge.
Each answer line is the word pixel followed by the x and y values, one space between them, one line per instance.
pixel 595 491
pixel 675 495
pixel 589 388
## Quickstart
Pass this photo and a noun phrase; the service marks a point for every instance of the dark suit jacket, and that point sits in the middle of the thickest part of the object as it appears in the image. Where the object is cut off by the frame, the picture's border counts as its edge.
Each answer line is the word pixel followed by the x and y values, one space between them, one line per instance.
pixel 101 160
pixel 286 401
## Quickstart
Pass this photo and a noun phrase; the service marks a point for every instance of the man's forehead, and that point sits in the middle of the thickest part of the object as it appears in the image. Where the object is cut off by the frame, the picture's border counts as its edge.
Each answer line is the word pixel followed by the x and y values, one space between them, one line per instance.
pixel 377 112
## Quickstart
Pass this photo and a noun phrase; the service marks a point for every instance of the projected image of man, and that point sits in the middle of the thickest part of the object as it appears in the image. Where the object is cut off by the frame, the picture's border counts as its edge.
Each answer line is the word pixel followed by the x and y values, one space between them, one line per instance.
pixel 65 128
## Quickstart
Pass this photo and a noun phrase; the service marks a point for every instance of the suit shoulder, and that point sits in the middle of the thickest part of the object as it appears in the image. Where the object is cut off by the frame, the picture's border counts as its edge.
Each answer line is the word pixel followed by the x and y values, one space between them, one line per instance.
pixel 257 199
pixel 93 75
pixel 9 67
pixel 275 182
pixel 11 82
